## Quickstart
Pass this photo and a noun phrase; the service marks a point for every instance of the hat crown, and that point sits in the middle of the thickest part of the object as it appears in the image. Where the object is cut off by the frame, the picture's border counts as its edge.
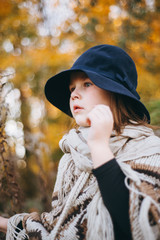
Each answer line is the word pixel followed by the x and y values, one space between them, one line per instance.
pixel 111 62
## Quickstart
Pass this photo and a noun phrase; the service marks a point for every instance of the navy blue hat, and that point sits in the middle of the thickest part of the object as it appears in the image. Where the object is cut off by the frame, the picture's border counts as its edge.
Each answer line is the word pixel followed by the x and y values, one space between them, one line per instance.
pixel 109 67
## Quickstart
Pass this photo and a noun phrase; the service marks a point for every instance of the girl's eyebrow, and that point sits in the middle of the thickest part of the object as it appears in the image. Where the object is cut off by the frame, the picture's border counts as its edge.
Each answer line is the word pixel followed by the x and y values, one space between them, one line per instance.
pixel 71 83
pixel 70 86
pixel 84 77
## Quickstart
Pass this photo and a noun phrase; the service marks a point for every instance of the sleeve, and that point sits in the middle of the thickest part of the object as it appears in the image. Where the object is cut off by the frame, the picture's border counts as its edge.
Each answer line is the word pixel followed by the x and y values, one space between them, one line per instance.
pixel 115 196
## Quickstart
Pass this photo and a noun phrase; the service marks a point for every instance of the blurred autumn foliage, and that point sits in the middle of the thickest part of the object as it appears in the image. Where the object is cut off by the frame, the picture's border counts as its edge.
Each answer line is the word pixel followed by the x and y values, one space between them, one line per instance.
pixel 38 38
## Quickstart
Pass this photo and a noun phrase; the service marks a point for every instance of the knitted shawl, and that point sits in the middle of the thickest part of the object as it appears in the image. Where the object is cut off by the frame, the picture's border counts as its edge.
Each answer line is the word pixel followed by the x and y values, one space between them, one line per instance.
pixel 78 211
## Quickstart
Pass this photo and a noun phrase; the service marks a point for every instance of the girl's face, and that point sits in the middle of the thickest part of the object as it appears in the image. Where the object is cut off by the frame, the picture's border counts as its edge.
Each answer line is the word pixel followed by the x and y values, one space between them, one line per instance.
pixel 84 96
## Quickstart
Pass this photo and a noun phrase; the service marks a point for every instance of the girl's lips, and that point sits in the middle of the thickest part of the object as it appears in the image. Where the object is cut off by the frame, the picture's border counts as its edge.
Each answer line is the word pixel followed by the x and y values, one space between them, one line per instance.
pixel 77 108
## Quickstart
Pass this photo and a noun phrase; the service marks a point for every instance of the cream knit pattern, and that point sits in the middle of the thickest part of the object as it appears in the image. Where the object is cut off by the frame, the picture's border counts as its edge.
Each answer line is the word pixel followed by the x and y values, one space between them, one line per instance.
pixel 78 211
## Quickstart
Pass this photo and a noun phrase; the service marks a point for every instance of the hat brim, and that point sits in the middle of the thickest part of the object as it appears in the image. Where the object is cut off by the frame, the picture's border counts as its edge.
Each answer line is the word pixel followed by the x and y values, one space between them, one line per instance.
pixel 57 90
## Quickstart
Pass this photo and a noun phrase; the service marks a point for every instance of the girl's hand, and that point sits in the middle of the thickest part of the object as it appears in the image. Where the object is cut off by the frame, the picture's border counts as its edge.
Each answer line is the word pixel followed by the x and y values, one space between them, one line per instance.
pixel 101 122
pixel 3 224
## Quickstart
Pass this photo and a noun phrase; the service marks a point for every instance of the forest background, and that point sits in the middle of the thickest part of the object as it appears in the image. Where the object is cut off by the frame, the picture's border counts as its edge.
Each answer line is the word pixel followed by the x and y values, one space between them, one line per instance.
pixel 39 38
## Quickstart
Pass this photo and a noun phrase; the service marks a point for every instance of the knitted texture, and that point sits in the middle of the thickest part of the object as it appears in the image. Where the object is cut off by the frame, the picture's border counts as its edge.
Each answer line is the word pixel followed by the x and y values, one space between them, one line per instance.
pixel 78 211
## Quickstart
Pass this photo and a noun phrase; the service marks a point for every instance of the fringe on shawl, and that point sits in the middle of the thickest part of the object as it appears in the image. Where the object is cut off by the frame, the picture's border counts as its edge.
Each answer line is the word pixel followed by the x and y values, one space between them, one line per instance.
pixel 141 227
pixel 103 227
pixel 13 231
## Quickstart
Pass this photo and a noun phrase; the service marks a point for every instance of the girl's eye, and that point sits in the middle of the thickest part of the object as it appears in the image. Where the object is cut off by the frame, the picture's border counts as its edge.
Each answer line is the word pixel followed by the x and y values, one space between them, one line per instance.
pixel 87 84
pixel 71 89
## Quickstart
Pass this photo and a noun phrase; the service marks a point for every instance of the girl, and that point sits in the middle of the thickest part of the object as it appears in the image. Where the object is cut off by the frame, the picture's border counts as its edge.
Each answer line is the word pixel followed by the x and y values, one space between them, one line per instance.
pixel 108 183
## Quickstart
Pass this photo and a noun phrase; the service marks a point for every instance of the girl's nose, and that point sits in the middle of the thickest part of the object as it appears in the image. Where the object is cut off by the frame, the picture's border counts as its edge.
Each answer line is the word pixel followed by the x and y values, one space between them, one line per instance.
pixel 75 94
